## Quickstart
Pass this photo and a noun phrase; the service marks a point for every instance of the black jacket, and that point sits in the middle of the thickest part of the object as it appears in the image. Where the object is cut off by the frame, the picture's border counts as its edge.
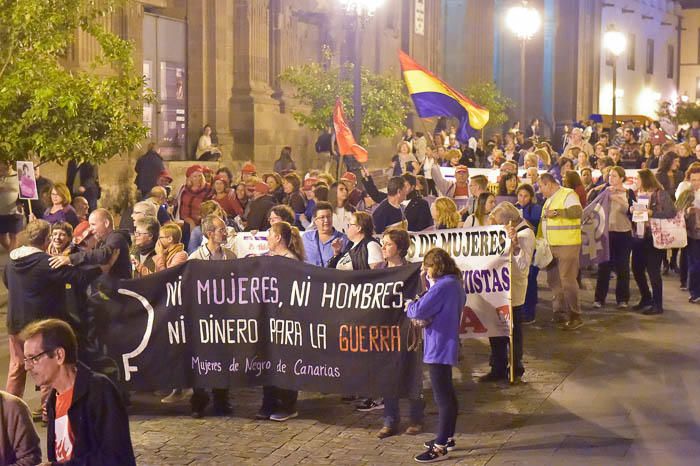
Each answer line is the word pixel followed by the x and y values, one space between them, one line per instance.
pixel 87 178
pixel 259 210
pixel 98 420
pixel 36 291
pixel 117 240
pixel 417 213
pixel 148 168
pixel 358 255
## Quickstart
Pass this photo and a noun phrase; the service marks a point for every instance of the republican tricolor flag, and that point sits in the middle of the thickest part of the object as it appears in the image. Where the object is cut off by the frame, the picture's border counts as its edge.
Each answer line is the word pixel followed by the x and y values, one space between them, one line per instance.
pixel 434 97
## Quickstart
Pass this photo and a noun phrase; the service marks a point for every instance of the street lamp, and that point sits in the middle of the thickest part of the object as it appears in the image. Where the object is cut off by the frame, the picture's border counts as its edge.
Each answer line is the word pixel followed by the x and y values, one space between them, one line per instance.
pixel 362 10
pixel 615 42
pixel 524 21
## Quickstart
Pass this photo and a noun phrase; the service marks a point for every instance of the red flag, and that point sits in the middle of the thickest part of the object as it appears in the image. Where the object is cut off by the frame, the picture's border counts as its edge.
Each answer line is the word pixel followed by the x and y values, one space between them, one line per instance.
pixel 344 137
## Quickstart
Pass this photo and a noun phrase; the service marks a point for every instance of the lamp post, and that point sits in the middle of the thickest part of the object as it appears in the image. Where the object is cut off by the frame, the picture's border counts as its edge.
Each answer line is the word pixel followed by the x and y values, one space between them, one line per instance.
pixel 524 21
pixel 614 42
pixel 362 10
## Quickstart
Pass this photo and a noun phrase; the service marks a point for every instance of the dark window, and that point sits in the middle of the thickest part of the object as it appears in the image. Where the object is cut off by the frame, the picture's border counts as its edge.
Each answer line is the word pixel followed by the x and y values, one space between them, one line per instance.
pixel 650 56
pixel 631 51
pixel 671 64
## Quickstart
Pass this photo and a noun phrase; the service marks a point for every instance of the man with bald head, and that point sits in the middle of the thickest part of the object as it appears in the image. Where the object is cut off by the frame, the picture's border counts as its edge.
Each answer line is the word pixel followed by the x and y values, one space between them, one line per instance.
pixel 111 252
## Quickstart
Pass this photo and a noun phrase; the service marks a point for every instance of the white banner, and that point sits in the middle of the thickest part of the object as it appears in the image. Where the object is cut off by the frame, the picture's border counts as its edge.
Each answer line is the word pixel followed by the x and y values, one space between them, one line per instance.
pixel 483 255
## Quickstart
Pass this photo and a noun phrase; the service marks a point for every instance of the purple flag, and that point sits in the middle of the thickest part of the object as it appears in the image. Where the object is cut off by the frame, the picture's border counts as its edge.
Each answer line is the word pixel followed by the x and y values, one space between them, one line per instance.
pixel 595 246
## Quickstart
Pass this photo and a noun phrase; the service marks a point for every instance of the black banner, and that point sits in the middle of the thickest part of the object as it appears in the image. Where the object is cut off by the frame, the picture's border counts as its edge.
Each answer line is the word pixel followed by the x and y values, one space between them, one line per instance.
pixel 266 320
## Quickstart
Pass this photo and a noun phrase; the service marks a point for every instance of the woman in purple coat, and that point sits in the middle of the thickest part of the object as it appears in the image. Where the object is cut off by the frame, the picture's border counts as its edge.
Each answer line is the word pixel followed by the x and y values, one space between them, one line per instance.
pixel 439 311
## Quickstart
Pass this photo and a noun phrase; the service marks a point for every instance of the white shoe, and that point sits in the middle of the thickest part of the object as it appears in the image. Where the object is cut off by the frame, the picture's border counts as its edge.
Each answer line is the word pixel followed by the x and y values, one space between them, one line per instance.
pixel 597 304
pixel 177 396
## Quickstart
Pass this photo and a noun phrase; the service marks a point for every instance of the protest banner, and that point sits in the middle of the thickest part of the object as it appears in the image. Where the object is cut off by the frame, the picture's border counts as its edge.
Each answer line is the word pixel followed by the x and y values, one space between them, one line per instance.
pixel 27 181
pixel 595 246
pixel 483 255
pixel 266 321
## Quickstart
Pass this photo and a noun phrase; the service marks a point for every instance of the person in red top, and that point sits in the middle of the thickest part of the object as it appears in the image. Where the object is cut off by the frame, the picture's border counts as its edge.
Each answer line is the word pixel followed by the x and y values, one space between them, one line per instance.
pixel 88 423
pixel 225 196
pixel 191 195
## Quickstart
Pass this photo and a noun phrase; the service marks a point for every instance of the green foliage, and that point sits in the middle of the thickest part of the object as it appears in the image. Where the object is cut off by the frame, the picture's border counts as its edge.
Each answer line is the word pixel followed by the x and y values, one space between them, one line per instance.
pixel 59 114
pixel 684 113
pixel 488 95
pixel 384 102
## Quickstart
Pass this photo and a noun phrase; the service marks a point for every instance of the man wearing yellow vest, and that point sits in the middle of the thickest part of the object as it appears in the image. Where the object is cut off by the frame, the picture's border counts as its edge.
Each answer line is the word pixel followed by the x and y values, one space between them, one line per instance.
pixel 561 228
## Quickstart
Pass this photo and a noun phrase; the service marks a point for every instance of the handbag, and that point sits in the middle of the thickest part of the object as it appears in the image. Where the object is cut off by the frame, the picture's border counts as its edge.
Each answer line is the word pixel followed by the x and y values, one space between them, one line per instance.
pixel 543 254
pixel 669 233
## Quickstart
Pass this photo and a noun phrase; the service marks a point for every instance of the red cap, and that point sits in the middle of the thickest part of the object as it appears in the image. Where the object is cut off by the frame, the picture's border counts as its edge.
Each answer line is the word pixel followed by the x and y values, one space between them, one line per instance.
pixel 166 174
pixel 461 168
pixel 81 232
pixel 309 184
pixel 248 168
pixel 193 169
pixel 349 176
pixel 261 188
pixel 220 178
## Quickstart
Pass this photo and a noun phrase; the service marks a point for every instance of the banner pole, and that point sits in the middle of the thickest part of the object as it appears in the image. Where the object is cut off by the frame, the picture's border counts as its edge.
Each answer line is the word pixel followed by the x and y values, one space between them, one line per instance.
pixel 511 352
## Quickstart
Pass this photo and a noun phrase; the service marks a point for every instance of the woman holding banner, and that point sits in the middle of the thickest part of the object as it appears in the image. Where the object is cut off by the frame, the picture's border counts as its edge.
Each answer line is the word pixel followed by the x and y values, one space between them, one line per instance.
pixel 532 212
pixel 395 244
pixel 439 310
pixel 279 404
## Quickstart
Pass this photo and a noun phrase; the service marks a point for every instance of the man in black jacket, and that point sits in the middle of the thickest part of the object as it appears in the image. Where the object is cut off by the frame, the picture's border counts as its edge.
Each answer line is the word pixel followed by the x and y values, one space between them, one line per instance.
pixel 36 291
pixel 111 253
pixel 88 423
pixel 148 168
pixel 417 211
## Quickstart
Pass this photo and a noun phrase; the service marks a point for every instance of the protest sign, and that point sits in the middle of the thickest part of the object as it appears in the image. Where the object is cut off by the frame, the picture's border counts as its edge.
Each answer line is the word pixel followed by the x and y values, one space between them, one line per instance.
pixel 266 321
pixel 27 181
pixel 483 255
pixel 595 247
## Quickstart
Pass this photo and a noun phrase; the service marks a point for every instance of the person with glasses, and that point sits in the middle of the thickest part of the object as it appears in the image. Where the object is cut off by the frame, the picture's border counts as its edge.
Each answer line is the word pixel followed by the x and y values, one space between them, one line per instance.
pixel 87 419
pixel 318 242
pixel 362 252
pixel 170 251
pixel 147 230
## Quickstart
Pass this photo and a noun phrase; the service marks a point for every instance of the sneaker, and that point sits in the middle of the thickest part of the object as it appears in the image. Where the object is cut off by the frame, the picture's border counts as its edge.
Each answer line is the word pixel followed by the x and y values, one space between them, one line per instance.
pixel 694 300
pixel 684 287
pixel 436 453
pixel 528 322
pixel 263 415
pixel 283 416
pixel 385 432
pixel 622 305
pixel 642 306
pixel 414 429
pixel 177 396
pixel 370 405
pixel 451 445
pixel 597 304
pixel 493 377
pixel 652 311
pixel 573 324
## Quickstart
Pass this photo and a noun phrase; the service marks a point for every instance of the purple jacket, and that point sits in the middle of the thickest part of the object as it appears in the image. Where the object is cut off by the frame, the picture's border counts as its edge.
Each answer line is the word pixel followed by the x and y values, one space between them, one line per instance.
pixel 442 306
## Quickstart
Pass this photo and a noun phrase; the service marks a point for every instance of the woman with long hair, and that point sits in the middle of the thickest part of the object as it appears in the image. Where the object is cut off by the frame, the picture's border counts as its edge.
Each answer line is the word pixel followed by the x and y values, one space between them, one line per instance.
pixel 274 182
pixel 484 205
pixel 395 244
pixel 240 199
pixel 669 174
pixel 279 404
pixel 285 163
pixel 224 195
pixel 439 310
pixel 620 240
pixel 338 196
pixel 508 184
pixel 61 209
pixel 445 213
pixel 572 180
pixel 532 212
pixel 646 259
pixel 291 185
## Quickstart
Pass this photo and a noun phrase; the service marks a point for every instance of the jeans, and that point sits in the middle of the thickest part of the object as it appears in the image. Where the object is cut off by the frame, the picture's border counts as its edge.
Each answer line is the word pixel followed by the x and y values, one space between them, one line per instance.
pixel 646 260
pixel 620 249
pixel 499 348
pixel 445 399
pixel 530 306
pixel 392 414
pixel 693 255
pixel 683 264
pixel 277 399
pixel 561 276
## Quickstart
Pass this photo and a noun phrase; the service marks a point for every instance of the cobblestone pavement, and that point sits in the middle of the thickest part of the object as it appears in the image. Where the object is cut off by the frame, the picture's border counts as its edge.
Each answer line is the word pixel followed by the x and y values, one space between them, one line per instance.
pixel 329 431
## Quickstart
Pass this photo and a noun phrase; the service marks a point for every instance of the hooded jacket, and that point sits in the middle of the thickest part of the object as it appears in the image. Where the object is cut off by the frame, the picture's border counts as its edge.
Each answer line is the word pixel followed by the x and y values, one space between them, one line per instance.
pixel 36 291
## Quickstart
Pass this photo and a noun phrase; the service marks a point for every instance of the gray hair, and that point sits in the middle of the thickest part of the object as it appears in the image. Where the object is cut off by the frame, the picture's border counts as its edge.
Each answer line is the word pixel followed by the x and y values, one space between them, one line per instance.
pixel 150 223
pixel 506 213
pixel 148 207
pixel 207 224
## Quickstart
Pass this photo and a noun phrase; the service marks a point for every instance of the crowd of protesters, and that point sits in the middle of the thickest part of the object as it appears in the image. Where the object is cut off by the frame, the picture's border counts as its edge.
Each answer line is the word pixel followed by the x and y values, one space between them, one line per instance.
pixel 538 194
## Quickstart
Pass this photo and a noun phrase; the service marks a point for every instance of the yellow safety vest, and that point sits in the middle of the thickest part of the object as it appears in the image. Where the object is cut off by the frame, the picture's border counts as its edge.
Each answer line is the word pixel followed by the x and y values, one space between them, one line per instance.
pixel 560 231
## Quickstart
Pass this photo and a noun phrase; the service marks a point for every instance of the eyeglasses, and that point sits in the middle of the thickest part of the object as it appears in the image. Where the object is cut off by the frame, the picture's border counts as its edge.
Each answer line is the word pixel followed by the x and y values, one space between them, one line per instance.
pixel 141 233
pixel 165 237
pixel 31 360
pixel 327 218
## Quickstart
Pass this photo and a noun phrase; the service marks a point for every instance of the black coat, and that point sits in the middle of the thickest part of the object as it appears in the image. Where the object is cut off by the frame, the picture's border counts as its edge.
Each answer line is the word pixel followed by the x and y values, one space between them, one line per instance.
pixel 259 210
pixel 36 291
pixel 117 240
pixel 148 168
pixel 417 213
pixel 99 422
